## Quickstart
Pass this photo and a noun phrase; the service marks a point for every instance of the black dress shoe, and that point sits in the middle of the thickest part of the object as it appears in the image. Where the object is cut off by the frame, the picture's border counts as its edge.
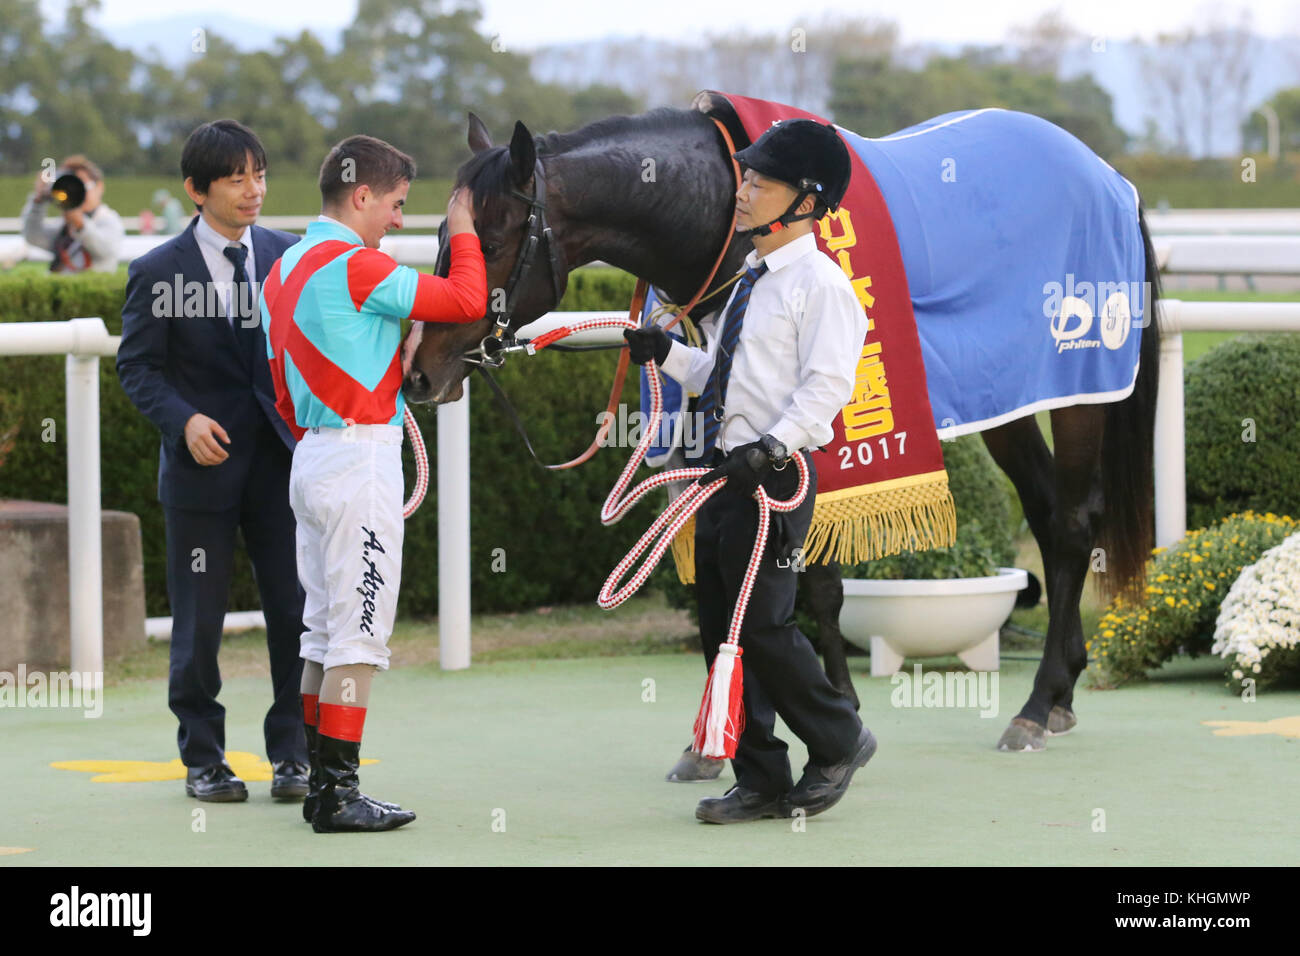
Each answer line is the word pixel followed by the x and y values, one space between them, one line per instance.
pixel 820 788
pixel 290 780
pixel 739 806
pixel 216 783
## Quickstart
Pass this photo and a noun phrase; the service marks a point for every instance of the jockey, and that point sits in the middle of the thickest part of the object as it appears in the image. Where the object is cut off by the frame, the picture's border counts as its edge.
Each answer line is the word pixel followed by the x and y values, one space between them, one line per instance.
pixel 332 308
pixel 778 369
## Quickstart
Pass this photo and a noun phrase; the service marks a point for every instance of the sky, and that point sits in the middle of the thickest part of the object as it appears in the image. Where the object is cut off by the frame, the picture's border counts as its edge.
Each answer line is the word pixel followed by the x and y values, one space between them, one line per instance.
pixel 521 27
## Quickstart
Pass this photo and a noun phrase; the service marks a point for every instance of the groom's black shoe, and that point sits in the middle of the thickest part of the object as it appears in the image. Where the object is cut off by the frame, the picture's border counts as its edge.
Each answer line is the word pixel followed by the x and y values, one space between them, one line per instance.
pixel 739 806
pixel 215 783
pixel 820 788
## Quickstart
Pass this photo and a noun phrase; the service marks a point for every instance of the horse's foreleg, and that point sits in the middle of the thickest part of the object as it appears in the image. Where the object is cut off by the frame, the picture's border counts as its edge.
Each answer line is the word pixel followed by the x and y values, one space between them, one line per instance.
pixel 826 592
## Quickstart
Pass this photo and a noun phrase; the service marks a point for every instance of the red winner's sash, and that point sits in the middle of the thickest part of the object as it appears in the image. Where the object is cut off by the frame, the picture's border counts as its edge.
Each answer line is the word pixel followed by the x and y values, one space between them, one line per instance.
pixel 881 485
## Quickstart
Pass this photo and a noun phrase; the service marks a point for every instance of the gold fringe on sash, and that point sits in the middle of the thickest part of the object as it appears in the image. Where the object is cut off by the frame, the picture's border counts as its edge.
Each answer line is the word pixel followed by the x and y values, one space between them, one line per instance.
pixel 863 524
pixel 877 523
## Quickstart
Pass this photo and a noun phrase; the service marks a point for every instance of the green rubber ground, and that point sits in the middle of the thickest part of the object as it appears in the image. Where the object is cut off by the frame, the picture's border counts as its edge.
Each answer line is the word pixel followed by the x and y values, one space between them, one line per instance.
pixel 571 759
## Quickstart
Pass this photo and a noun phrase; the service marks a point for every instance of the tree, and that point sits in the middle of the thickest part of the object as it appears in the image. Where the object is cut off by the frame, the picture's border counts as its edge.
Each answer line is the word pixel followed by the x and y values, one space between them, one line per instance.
pixel 84 97
pixel 1254 131
pixel 421 66
pixel 873 97
pixel 1042 43
pixel 27 77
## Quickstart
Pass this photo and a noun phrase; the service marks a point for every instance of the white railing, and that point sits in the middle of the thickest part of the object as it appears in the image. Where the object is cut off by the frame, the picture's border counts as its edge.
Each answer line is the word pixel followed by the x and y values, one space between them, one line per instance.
pixel 288 223
pixel 1177 317
pixel 83 341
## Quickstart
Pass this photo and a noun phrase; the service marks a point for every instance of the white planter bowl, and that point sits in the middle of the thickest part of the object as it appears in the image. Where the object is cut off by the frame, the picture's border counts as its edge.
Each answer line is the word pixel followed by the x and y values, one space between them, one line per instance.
pixel 962 616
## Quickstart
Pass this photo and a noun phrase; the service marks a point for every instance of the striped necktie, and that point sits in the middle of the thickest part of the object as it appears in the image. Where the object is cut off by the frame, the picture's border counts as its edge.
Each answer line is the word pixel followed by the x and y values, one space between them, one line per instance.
pixel 710 406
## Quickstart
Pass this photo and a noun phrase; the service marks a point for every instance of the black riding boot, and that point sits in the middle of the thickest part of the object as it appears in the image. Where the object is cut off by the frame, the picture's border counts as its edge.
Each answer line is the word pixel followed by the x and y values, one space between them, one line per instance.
pixel 313 778
pixel 314 781
pixel 341 806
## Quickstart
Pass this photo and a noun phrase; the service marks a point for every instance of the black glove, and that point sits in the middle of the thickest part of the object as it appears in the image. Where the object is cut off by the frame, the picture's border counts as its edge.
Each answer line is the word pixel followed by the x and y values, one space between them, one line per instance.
pixel 646 344
pixel 744 468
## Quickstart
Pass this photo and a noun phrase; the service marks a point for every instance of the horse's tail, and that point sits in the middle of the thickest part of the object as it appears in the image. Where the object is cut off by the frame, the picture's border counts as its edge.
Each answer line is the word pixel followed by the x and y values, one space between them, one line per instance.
pixel 1127 532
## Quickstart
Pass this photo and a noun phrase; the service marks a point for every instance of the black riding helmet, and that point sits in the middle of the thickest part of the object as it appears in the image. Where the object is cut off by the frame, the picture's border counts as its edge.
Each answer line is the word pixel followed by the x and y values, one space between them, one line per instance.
pixel 808 156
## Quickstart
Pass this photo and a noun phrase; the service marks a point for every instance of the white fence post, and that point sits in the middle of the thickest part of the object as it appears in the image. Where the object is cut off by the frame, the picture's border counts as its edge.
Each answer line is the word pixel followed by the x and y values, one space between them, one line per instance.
pixel 453 534
pixel 1170 451
pixel 85 548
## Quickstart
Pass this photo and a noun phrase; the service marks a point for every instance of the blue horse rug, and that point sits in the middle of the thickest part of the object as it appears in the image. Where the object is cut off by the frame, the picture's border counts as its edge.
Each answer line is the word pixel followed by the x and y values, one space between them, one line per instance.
pixel 1024 261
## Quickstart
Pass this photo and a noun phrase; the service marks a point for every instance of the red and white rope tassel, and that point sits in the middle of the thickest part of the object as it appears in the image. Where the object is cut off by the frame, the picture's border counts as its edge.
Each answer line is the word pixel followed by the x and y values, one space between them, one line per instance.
pixel 721 717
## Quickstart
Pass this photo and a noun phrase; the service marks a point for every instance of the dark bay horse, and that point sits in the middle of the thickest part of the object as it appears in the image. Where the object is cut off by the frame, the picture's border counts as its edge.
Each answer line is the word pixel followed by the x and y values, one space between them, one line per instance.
pixel 653 195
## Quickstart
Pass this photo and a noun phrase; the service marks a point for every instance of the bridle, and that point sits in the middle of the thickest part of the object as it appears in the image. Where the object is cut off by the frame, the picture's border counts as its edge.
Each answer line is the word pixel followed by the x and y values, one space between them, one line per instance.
pixel 492 350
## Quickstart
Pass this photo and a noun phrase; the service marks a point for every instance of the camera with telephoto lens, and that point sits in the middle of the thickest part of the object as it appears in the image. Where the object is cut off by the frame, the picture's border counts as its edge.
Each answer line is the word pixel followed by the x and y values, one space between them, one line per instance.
pixel 68 190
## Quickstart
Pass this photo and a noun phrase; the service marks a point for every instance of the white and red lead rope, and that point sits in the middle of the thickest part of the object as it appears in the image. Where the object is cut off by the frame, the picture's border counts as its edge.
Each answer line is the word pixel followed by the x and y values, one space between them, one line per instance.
pixel 421 464
pixel 721 718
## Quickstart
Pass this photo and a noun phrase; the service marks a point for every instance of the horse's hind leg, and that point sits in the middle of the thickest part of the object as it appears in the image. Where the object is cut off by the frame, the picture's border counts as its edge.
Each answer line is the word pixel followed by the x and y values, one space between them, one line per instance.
pixel 826 592
pixel 1075 518
pixel 1019 449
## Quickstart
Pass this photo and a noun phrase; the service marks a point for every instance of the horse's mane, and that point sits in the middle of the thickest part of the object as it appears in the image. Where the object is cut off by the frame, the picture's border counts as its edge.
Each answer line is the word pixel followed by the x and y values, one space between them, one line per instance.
pixel 487 173
pixel 664 118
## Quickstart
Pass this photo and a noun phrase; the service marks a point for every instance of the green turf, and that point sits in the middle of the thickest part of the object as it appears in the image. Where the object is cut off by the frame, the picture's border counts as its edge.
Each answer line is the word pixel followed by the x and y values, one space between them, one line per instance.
pixel 575 758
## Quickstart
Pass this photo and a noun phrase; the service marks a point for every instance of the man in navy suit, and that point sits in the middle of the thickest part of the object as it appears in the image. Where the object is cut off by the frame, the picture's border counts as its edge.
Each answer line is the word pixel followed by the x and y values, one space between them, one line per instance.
pixel 193 360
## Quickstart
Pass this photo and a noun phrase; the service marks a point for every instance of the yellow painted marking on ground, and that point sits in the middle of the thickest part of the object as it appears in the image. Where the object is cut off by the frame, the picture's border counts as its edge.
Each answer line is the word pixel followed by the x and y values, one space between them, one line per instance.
pixel 14 850
pixel 1282 726
pixel 248 767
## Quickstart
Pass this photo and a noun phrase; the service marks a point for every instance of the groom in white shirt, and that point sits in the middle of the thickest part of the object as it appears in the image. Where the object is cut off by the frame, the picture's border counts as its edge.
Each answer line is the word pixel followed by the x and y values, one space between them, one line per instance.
pixel 779 367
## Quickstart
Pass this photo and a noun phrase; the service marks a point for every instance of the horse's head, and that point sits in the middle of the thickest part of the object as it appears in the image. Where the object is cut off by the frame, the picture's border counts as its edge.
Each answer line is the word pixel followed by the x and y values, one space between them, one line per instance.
pixel 525 269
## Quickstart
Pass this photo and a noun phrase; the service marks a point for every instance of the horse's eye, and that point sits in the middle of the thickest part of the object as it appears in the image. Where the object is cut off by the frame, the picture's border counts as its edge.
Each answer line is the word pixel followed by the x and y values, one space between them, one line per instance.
pixel 490 250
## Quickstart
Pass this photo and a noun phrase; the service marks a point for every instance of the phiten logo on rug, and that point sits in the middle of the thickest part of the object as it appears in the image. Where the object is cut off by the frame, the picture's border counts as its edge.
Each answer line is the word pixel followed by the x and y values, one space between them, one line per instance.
pixel 1072 311
pixel 75 908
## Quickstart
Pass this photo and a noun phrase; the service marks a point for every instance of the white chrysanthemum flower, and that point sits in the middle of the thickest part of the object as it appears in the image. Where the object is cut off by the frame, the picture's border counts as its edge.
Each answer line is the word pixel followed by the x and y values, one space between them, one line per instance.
pixel 1261 611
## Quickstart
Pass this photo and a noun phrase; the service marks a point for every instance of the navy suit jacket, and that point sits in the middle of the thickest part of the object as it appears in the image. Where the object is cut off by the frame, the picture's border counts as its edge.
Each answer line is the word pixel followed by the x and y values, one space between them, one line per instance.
pixel 173 365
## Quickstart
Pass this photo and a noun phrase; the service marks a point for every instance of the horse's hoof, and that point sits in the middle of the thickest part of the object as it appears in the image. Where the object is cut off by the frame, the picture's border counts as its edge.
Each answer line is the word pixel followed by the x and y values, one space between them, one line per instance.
pixel 1060 721
pixel 692 767
pixel 1023 735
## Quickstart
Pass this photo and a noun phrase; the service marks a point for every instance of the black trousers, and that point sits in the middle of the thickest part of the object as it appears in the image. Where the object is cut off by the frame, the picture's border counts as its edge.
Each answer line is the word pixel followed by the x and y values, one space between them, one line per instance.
pixel 198 586
pixel 783 674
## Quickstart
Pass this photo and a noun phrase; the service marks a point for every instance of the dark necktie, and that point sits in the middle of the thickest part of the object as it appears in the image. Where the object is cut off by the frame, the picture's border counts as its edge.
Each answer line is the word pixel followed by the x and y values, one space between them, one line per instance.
pixel 241 321
pixel 711 404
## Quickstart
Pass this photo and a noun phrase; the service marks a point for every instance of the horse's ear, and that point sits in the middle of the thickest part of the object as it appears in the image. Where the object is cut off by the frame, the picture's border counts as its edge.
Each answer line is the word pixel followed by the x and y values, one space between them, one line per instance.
pixel 523 155
pixel 479 137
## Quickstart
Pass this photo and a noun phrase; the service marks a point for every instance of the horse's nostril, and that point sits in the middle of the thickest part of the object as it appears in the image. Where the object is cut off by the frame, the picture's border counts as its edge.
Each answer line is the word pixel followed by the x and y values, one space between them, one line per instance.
pixel 417 383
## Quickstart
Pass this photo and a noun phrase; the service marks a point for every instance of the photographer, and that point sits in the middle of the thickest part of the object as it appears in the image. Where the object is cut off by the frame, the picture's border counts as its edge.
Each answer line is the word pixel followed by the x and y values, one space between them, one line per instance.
pixel 90 236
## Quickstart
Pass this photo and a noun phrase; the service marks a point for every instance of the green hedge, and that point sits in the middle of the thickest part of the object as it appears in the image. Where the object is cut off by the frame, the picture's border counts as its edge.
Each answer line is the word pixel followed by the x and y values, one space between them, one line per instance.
pixel 555 549
pixel 1255 377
